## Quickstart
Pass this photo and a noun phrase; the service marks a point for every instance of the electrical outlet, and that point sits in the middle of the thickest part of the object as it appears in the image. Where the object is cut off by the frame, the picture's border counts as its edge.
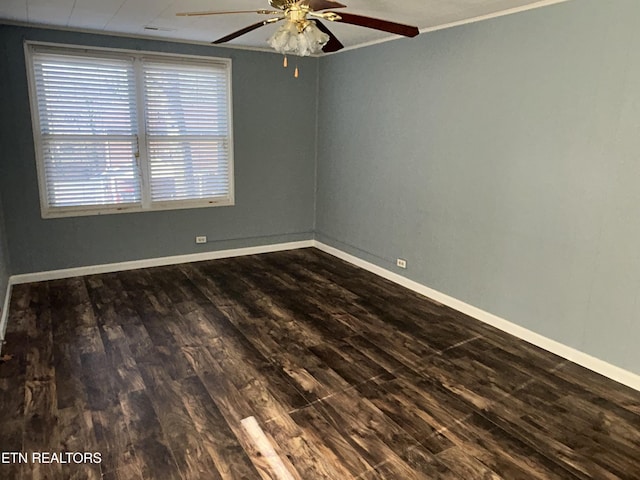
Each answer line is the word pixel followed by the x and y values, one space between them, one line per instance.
pixel 201 239
pixel 401 263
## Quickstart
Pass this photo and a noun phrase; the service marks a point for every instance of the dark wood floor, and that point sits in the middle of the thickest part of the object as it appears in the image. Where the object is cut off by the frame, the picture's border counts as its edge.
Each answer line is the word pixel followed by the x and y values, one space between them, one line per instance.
pixel 349 376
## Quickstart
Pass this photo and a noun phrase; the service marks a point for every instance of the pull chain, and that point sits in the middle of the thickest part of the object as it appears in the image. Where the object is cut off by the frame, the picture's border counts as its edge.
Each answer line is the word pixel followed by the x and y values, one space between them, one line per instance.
pixel 285 64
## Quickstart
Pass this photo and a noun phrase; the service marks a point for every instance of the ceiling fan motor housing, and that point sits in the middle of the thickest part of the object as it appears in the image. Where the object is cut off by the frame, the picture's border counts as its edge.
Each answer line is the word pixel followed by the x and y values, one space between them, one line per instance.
pixel 282 4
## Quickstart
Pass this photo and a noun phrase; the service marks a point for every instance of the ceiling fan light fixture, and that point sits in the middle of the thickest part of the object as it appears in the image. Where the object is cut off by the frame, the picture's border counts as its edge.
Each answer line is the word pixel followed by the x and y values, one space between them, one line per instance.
pixel 290 38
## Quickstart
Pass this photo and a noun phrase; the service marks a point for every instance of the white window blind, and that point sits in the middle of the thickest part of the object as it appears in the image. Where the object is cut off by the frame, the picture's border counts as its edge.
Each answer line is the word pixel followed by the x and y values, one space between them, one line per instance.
pixel 187 130
pixel 125 131
pixel 88 128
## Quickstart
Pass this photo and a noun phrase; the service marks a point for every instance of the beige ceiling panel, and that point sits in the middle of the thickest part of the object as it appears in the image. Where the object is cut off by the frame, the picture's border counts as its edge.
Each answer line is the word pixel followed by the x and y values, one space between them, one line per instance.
pixel 13 9
pixel 49 11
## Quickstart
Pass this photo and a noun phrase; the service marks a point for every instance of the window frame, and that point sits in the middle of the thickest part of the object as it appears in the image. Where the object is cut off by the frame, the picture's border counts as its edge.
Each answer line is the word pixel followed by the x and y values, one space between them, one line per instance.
pixel 144 177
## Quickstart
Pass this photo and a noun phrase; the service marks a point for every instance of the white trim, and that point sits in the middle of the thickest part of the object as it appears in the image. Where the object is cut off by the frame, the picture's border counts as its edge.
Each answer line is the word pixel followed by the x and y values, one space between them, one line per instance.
pixel 4 316
pixel 155 262
pixel 63 212
pixel 136 59
pixel 157 38
pixel 480 18
pixel 600 366
pixel 144 167
pixel 117 52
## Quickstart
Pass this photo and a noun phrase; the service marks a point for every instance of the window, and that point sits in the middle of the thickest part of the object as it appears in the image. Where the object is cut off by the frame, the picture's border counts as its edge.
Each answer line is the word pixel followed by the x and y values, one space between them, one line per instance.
pixel 119 131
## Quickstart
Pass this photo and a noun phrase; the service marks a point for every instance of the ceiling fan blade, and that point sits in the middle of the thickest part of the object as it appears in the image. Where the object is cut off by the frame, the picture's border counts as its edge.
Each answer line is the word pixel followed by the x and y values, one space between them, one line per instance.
pixel 333 45
pixel 201 14
pixel 248 29
pixel 377 24
pixel 317 5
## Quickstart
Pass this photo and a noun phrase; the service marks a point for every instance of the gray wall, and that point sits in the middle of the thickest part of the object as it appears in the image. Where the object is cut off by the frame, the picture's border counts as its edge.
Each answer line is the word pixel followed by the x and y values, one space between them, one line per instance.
pixel 502 160
pixel 274 173
pixel 5 270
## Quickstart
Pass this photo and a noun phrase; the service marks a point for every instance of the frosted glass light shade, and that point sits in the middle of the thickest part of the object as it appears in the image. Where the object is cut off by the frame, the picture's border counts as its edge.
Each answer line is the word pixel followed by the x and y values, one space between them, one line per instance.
pixel 289 40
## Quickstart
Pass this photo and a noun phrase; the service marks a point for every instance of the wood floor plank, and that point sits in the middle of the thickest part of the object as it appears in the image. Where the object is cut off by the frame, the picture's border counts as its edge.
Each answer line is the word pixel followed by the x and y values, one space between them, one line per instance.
pixel 404 349
pixel 347 375
pixel 40 427
pixel 218 439
pixel 234 407
pixel 311 420
pixel 276 343
pixel 305 450
pixel 511 417
pixel 124 474
pixel 11 438
pixel 610 422
pixel 467 466
pixel 350 367
pixel 389 470
pixel 615 393
pixel 114 444
pixel 177 426
pixel 375 436
pixel 407 415
pixel 502 452
pixel 70 389
pixel 122 364
pixel 235 352
pixel 150 447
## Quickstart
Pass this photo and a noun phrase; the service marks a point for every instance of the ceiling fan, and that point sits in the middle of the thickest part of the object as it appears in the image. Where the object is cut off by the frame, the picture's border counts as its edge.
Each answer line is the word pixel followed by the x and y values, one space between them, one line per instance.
pixel 303 33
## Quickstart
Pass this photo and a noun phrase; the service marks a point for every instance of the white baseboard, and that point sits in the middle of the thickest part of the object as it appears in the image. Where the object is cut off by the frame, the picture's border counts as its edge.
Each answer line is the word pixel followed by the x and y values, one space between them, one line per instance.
pixel 595 364
pixel 156 262
pixel 600 366
pixel 4 314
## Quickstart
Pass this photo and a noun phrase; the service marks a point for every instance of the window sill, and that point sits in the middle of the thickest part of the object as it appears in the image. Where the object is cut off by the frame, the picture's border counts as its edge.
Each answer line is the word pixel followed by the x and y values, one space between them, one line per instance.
pixel 50 213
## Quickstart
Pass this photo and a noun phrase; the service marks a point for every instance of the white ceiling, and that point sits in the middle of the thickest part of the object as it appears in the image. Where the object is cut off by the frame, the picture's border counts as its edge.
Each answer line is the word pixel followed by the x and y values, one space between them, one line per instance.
pixel 132 16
